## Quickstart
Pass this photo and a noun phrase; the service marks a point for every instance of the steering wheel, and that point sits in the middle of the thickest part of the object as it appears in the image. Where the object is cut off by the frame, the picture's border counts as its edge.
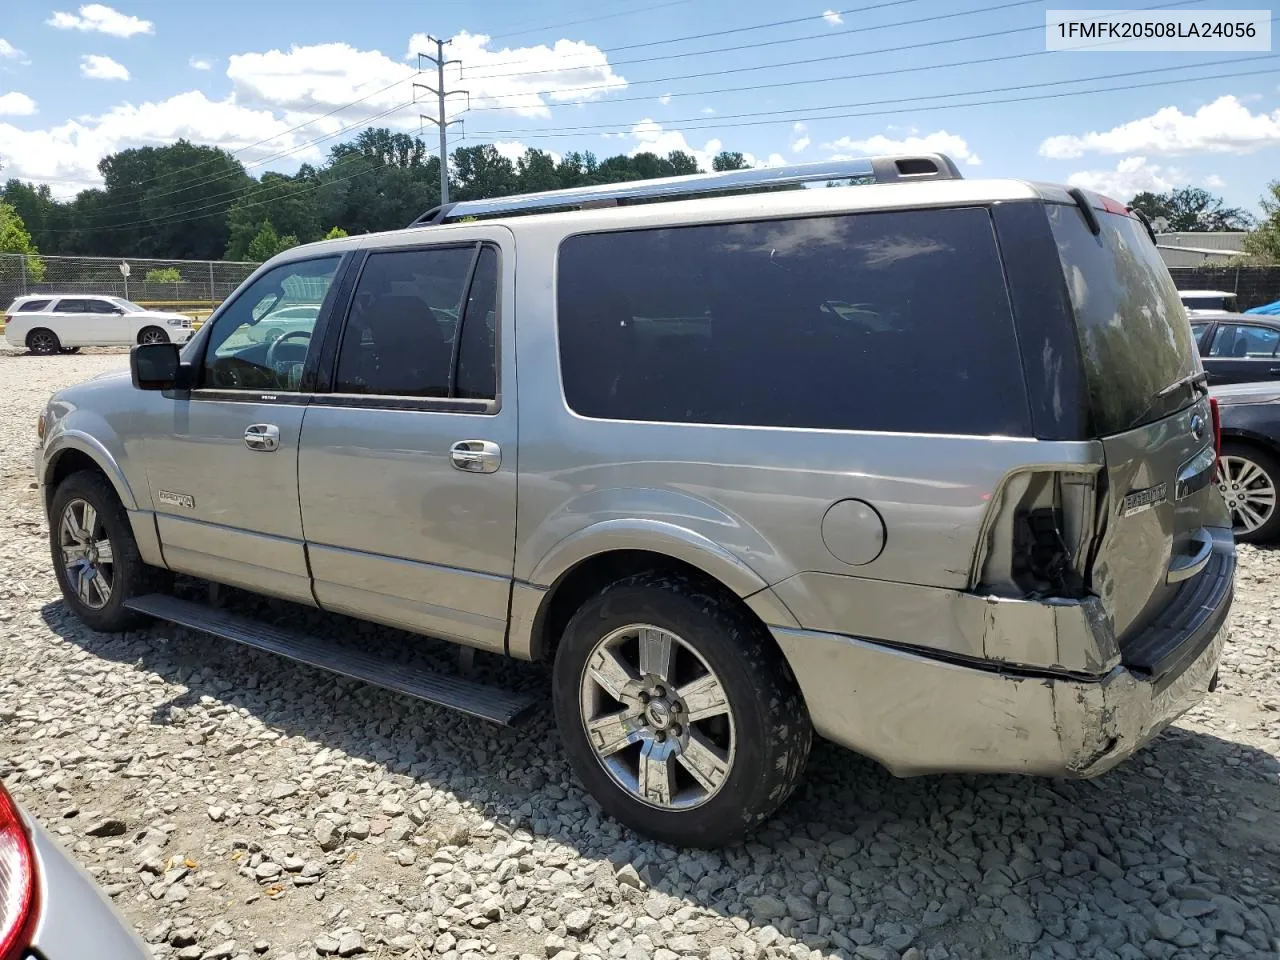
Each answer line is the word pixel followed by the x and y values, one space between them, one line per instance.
pixel 291 335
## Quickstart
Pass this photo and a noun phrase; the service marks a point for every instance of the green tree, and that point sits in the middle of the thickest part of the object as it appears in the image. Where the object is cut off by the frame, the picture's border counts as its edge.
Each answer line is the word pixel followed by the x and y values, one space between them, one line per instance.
pixel 14 238
pixel 288 202
pixel 1191 210
pixel 163 275
pixel 335 233
pixel 1263 244
pixel 729 161
pixel 267 243
pixel 481 172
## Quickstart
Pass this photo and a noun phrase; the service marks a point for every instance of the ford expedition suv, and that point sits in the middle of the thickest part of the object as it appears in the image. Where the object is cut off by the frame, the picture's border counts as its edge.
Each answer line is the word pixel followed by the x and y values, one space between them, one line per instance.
pixel 920 464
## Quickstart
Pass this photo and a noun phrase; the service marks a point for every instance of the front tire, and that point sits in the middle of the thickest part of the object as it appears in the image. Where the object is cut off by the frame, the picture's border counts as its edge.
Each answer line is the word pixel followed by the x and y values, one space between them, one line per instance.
pixel 152 335
pixel 43 342
pixel 678 712
pixel 95 555
pixel 1249 478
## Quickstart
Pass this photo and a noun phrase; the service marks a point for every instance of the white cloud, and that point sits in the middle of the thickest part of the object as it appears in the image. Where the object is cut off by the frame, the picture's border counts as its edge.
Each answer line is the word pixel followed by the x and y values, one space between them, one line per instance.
pixel 651 137
pixel 833 18
pixel 16 104
pixel 802 138
pixel 97 67
pixel 664 99
pixel 1224 126
pixel 937 142
pixel 9 52
pixel 99 18
pixel 66 156
pixel 200 63
pixel 1214 182
pixel 513 150
pixel 708 111
pixel 1131 176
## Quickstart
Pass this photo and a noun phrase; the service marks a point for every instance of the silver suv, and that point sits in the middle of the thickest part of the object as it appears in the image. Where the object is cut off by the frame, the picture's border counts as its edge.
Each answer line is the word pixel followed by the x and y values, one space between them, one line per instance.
pixel 920 464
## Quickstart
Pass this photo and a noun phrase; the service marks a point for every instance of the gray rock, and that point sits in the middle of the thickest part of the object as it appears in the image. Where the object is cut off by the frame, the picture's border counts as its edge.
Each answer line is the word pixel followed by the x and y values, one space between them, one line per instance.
pixel 350 943
pixel 578 922
pixel 1166 927
pixel 223 951
pixel 108 827
pixel 1196 908
pixel 628 877
pixel 767 908
pixel 1023 929
pixel 799 908
pixel 327 835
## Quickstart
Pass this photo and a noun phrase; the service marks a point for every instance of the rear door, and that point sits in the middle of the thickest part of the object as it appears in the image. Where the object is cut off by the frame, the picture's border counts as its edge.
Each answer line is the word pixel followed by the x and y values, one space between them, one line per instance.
pixel 72 322
pixel 1242 353
pixel 1139 358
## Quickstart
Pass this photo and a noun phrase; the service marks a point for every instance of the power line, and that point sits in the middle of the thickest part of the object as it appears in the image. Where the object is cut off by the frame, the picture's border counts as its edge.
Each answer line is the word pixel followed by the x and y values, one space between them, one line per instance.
pixel 603 16
pixel 533 135
pixel 773 43
pixel 442 97
pixel 900 48
pixel 586 128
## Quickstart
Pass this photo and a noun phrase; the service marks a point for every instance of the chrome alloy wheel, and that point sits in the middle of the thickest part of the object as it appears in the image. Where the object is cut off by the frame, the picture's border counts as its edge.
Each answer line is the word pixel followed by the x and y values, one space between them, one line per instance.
pixel 1249 491
pixel 657 717
pixel 153 336
pixel 86 554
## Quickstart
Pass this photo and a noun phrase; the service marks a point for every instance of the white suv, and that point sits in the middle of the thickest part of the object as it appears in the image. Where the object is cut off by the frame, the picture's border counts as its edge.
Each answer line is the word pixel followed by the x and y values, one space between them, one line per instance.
pixel 48 323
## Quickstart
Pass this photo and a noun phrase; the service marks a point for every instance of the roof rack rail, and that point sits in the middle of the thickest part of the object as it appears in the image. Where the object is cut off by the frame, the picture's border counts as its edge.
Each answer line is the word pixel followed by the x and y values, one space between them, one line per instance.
pixel 886 169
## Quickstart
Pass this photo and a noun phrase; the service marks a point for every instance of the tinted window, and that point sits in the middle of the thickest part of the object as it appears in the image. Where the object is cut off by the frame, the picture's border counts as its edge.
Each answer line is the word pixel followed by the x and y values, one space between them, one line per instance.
pixel 400 333
pixel 1135 338
pixel 33 306
pixel 246 353
pixel 100 306
pixel 1198 329
pixel 71 306
pixel 477 376
pixel 883 321
pixel 1243 340
pixel 1227 303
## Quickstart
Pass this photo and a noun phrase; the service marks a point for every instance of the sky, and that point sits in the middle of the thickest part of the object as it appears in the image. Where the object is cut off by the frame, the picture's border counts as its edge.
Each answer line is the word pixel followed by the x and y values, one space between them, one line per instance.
pixel 275 82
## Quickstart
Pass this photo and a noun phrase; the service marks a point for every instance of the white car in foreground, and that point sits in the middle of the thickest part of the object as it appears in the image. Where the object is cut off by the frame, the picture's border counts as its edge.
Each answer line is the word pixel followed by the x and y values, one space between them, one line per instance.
pixel 49 323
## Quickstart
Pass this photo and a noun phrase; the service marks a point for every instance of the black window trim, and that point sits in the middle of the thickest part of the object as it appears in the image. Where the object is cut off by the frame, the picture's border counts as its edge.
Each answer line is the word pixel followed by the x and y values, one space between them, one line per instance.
pixel 62 300
pixel 324 394
pixel 283 397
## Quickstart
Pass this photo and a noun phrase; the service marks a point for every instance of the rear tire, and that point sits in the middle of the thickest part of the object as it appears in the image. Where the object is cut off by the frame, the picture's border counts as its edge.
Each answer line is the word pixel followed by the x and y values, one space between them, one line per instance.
pixel 70 350
pixel 152 335
pixel 95 556
pixel 43 342
pixel 709 735
pixel 1249 480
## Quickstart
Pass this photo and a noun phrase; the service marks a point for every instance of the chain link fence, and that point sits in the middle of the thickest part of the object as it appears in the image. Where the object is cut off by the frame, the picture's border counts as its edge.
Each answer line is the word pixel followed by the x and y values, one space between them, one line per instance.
pixel 197 285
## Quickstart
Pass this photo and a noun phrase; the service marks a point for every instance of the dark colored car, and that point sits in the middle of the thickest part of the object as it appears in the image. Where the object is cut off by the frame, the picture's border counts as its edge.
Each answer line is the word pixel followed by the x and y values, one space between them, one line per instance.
pixel 1249 469
pixel 1238 347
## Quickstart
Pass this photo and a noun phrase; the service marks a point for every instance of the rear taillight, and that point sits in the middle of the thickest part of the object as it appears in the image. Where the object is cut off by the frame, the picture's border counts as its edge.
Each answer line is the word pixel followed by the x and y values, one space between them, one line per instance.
pixel 17 882
pixel 1216 419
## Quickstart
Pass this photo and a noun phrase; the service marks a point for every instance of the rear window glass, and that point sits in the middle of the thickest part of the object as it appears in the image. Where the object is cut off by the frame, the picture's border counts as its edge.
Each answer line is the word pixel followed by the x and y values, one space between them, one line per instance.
pixel 884 321
pixel 33 306
pixel 1135 338
pixel 1224 303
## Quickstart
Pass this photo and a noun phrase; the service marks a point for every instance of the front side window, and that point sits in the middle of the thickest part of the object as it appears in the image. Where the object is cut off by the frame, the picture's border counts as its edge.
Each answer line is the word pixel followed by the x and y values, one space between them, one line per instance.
pixel 101 306
pixel 421 324
pixel 1243 340
pixel 246 351
pixel 894 321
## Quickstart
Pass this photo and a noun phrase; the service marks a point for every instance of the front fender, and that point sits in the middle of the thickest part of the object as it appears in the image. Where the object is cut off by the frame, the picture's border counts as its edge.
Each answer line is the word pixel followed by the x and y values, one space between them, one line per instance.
pixel 66 439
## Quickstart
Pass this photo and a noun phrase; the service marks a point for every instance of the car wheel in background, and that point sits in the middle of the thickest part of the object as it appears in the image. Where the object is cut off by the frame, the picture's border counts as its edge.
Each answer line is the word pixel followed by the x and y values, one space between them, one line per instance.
pixel 43 342
pixel 70 350
pixel 152 335
pixel 1249 478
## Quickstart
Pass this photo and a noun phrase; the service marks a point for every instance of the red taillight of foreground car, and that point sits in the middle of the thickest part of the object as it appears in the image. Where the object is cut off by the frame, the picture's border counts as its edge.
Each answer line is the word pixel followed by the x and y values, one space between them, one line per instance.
pixel 17 882
pixel 1216 419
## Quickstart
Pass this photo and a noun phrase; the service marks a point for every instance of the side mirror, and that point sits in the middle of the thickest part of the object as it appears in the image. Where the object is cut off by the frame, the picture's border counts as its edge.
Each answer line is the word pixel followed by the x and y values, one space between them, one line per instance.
pixel 155 366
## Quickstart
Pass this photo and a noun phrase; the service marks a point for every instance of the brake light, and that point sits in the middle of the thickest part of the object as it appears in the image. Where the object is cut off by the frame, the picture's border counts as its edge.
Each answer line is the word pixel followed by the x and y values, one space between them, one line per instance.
pixel 17 882
pixel 1215 419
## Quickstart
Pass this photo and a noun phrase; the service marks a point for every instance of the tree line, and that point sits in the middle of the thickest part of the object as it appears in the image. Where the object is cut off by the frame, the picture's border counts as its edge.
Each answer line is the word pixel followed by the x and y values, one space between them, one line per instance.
pixel 188 201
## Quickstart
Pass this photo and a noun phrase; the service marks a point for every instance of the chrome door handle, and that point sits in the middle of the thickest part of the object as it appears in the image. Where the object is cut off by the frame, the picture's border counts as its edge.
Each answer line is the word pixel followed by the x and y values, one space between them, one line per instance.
pixel 264 437
pixel 476 456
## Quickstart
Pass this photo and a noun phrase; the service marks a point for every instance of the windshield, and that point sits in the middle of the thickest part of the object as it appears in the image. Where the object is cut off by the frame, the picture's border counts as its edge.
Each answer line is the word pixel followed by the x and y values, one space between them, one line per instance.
pixel 1135 338
pixel 128 305
pixel 1225 303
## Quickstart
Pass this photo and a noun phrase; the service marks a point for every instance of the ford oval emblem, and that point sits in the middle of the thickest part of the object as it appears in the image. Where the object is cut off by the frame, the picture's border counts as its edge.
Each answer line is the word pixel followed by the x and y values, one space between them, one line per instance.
pixel 1197 426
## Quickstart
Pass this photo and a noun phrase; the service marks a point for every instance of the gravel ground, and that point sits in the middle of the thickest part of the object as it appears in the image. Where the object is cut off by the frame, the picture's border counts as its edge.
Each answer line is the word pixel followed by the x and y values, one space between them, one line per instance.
pixel 236 805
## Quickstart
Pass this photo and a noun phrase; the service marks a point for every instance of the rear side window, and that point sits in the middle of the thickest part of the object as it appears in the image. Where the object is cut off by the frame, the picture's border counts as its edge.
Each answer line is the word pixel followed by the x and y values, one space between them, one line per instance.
pixel 1135 338
pixel 70 306
pixel 895 321
pixel 405 334
pixel 34 306
pixel 1243 340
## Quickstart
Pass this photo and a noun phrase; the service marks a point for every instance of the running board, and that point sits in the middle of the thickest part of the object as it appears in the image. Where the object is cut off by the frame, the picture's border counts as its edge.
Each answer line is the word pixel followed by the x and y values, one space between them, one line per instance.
pixel 477 699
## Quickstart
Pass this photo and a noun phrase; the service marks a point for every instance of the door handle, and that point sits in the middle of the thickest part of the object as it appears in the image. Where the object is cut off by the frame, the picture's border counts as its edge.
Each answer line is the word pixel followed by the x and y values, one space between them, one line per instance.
pixel 264 437
pixel 476 456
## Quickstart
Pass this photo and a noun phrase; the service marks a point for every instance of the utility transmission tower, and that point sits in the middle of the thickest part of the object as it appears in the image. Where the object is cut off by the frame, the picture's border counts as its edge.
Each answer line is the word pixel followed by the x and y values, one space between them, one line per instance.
pixel 439 120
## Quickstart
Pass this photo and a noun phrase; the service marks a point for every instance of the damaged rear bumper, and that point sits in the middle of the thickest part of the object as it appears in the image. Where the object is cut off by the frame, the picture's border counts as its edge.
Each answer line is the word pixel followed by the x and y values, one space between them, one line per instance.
pixel 918 713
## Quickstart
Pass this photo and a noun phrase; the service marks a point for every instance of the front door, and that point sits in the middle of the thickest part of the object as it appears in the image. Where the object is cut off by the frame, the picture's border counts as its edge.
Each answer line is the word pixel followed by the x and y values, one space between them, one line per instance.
pixel 224 477
pixel 1242 353
pixel 407 471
